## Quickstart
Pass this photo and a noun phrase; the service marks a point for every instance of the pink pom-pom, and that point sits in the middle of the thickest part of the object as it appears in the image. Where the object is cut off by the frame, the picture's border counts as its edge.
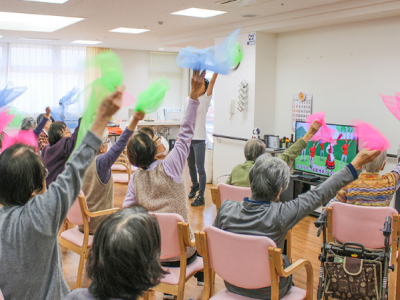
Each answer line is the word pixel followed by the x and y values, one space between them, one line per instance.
pixel 5 119
pixel 325 133
pixel 128 100
pixel 26 137
pixel 392 103
pixel 319 117
pixel 370 137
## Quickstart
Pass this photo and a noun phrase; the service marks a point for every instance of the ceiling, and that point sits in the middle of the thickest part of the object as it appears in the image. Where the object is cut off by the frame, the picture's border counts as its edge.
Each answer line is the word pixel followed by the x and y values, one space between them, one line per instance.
pixel 180 31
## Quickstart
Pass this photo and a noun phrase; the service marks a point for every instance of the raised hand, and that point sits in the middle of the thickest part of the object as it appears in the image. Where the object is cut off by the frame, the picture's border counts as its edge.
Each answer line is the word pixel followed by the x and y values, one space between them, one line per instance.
pixel 363 157
pixel 48 111
pixel 197 84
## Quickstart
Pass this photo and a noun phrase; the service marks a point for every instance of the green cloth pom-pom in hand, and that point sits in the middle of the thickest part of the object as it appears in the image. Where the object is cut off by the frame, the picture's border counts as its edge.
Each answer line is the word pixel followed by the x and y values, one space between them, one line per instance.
pixel 238 56
pixel 152 98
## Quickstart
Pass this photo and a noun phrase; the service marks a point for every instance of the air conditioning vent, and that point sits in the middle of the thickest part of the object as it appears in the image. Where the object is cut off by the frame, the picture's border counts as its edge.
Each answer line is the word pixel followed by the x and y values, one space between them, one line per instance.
pixel 249 16
pixel 227 1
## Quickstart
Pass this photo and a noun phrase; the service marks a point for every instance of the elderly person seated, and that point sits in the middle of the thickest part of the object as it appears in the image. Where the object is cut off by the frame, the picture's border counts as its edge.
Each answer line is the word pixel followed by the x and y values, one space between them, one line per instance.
pixel 263 214
pixel 29 123
pixel 129 242
pixel 158 184
pixel 98 185
pixel 44 135
pixel 32 216
pixel 255 147
pixel 371 188
pixel 57 152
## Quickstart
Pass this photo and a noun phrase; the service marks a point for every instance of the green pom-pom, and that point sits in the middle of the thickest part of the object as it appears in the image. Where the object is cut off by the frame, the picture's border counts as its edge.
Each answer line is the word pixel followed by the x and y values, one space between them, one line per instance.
pixel 152 98
pixel 18 117
pixel 238 56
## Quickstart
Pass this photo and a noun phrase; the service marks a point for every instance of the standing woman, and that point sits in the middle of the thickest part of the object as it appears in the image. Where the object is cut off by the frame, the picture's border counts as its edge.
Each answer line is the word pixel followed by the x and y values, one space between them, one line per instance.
pixel 197 155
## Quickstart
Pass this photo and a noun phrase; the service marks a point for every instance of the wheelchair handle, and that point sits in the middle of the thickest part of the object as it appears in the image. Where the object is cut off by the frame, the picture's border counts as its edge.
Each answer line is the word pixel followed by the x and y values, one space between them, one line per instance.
pixel 387 227
pixel 353 244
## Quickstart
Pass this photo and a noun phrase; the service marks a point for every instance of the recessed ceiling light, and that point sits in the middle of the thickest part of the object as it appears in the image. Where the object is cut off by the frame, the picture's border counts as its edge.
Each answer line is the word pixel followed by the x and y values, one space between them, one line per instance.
pixel 199 13
pixel 49 1
pixel 31 22
pixel 129 30
pixel 86 42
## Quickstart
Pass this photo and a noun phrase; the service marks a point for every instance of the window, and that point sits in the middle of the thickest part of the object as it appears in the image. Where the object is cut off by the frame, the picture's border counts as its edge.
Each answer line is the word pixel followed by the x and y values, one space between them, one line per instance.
pixel 48 72
pixel 3 65
pixel 164 64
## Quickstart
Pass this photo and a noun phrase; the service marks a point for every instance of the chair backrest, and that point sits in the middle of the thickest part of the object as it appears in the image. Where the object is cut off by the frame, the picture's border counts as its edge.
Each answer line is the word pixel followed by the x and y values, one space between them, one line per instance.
pixel 239 259
pixel 169 234
pixel 74 214
pixel 360 224
pixel 231 192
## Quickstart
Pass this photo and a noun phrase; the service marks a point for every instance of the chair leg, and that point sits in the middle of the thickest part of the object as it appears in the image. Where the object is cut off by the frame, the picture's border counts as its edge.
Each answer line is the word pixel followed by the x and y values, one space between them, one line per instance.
pixel 80 271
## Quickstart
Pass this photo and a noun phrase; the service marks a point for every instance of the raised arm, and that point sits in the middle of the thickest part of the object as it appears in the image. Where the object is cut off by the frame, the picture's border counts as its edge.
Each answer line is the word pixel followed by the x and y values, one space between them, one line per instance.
pixel 293 151
pixel 106 160
pixel 294 211
pixel 176 160
pixel 48 211
pixel 42 122
pixel 71 141
pixel 211 84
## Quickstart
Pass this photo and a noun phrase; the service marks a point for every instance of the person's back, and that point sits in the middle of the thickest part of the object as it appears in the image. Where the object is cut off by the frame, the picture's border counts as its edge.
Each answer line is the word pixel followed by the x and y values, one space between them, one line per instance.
pixel 371 188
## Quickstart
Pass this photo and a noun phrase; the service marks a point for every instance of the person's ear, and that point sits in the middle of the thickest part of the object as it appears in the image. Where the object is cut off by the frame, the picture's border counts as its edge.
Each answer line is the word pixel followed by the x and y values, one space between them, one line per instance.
pixel 40 192
pixel 384 164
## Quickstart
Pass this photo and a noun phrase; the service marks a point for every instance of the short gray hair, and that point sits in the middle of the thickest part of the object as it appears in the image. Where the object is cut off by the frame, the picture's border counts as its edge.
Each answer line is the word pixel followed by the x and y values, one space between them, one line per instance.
pixel 268 177
pixel 28 123
pixel 253 149
pixel 376 165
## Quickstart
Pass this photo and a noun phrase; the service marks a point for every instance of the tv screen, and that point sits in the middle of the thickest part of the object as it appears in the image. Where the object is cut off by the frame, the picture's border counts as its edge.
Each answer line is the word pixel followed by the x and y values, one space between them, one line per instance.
pixel 327 158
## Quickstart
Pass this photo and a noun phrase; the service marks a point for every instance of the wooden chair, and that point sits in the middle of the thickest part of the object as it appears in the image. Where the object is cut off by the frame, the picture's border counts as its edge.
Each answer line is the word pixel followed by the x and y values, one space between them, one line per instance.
pixel 223 192
pixel 250 262
pixel 73 239
pixel 121 170
pixel 175 237
pixel 362 224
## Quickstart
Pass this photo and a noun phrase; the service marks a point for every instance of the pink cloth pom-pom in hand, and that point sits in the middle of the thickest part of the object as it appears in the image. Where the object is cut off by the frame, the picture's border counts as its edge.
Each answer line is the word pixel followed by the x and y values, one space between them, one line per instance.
pixel 319 117
pixel 5 119
pixel 370 137
pixel 325 133
pixel 392 103
pixel 128 100
pixel 26 137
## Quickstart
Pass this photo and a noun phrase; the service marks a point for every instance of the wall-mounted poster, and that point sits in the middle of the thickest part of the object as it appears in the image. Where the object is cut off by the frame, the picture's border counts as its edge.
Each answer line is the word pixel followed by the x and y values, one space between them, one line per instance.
pixel 302 108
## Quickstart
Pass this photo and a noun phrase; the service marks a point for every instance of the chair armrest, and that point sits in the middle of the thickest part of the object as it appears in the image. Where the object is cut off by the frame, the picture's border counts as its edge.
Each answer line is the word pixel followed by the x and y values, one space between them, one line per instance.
pixel 197 236
pixel 278 262
pixel 101 212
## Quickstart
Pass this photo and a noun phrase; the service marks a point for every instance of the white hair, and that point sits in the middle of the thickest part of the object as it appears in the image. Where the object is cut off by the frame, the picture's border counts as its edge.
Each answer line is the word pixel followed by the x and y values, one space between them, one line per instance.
pixel 376 165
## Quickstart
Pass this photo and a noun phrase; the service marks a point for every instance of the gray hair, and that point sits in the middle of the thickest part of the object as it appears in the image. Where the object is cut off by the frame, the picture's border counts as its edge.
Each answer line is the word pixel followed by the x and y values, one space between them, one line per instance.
pixel 253 149
pixel 268 177
pixel 376 165
pixel 28 123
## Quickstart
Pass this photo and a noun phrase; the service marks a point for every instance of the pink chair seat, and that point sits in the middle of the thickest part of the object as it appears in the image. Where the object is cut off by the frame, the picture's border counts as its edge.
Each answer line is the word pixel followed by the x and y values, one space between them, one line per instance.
pixel 118 168
pixel 294 293
pixel 121 178
pixel 174 273
pixel 76 237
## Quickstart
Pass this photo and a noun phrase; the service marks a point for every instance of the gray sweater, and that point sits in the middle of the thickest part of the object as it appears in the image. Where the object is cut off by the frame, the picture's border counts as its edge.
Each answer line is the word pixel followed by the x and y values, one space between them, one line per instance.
pixel 275 219
pixel 30 256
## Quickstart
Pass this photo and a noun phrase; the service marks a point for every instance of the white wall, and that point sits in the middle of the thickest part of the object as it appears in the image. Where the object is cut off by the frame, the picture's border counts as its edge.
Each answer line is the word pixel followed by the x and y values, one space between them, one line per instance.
pixel 344 66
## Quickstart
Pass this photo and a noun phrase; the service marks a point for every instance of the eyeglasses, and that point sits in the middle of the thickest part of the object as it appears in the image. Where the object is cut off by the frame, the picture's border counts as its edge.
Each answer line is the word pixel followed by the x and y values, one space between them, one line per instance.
pixel 46 172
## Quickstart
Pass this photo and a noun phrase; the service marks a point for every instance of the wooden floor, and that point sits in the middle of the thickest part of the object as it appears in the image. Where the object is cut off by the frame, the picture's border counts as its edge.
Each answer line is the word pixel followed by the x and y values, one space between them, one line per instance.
pixel 306 245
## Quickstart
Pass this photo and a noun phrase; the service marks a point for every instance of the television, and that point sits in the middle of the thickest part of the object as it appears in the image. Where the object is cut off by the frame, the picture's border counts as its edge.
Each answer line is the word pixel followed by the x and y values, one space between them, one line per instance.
pixel 326 158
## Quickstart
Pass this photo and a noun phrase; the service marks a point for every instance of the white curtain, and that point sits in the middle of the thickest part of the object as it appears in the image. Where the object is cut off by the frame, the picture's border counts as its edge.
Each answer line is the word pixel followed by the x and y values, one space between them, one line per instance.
pixel 48 72
pixel 3 65
pixel 164 64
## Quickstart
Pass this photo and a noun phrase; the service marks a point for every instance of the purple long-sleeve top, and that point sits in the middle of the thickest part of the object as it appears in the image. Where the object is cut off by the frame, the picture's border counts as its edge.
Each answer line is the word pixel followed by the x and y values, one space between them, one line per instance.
pixel 175 162
pixel 105 161
pixel 40 126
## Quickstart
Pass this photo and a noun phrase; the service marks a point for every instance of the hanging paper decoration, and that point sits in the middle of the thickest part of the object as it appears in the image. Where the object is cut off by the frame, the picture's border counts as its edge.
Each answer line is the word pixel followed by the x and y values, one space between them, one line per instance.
pixel 325 134
pixel 27 137
pixel 219 59
pixel 127 100
pixel 9 94
pixel 370 137
pixel 5 119
pixel 392 103
pixel 111 77
pixel 152 98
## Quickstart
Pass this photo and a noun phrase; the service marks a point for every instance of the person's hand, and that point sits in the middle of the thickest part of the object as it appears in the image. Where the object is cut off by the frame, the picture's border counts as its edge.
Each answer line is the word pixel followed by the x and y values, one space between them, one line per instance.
pixel 197 84
pixel 111 104
pixel 47 115
pixel 138 116
pixel 315 126
pixel 363 157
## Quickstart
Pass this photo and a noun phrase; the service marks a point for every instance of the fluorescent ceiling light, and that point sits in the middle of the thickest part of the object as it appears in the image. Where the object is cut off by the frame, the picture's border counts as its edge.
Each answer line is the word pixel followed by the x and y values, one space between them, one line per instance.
pixel 86 42
pixel 38 39
pixel 129 30
pixel 31 22
pixel 161 49
pixel 1 36
pixel 199 13
pixel 49 1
